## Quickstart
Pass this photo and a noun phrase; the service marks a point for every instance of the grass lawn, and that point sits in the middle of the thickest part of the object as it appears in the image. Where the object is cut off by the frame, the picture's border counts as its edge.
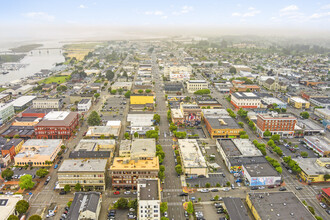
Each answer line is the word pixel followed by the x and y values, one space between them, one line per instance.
pixel 57 79
pixel 2 89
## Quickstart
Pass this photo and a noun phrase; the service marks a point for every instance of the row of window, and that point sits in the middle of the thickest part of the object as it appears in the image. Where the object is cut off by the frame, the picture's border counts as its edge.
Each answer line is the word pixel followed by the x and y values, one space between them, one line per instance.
pixel 81 181
pixel 84 175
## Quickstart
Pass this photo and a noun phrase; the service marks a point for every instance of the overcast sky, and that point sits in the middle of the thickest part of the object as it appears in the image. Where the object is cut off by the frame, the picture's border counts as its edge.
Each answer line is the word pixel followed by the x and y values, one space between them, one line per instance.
pixel 299 14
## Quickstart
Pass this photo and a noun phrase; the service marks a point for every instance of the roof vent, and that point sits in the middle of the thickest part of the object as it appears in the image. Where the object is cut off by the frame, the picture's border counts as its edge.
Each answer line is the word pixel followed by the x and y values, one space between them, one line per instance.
pixel 292 214
pixel 278 214
pixel 284 204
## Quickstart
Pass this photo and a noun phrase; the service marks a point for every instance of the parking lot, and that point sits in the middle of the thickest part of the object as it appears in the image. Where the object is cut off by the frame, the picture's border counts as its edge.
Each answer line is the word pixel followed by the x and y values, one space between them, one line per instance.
pixel 21 171
pixel 195 131
pixel 301 148
pixel 213 179
pixel 114 107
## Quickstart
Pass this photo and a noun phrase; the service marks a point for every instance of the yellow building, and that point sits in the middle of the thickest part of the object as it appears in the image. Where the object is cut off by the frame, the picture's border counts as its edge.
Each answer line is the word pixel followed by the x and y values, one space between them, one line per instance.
pixel 18 147
pixel 141 99
pixel 298 102
pixel 36 152
pixel 314 169
pixel 222 126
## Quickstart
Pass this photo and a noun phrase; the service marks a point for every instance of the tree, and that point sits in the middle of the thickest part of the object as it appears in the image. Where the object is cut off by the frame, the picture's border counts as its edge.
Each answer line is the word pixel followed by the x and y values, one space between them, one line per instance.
pixel 242 132
pixel 63 147
pixel 13 217
pixel 157 118
pixel 232 70
pixel 35 217
pixel 69 204
pixel 267 133
pixel 202 92
pixel 163 207
pixel 161 175
pixel 241 124
pixel 94 119
pixel 178 169
pixel 7 174
pixel 22 206
pixel 311 209
pixel 136 135
pixel 16 136
pixel 42 172
pixel 126 135
pixel 148 90
pixel 164 218
pixel 67 188
pixel 109 75
pixel 207 185
pixel 173 127
pixel 122 203
pixel 113 91
pixel 216 198
pixel 132 204
pixel 96 95
pixel 318 217
pixel 304 154
pixel 162 168
pixel 190 207
pixel 326 177
pixel 25 182
pixel 270 143
pixel 152 134
pixel 228 183
pixel 305 115
pixel 276 137
pixel 77 187
pixel 127 94
pixel 244 136
pixel 140 91
pixel 242 113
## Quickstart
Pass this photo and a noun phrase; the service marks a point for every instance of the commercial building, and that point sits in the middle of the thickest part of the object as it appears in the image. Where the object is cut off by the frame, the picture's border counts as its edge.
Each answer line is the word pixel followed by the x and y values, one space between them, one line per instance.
pixel 149 199
pixel 195 85
pixel 4 97
pixel 192 114
pixel 277 206
pixel 85 205
pixel 267 101
pixel 208 103
pixel 241 68
pixel 55 104
pixel 319 144
pixel 143 99
pixel 236 152
pixel 111 129
pixel 84 105
pixel 222 126
pixel 25 121
pixel 8 204
pixel 244 88
pixel 192 159
pixel 125 148
pixel 91 173
pixel 235 208
pixel 143 149
pixel 35 112
pixel 298 102
pixel 176 68
pixel 245 100
pixel 19 90
pixel 6 112
pixel 23 102
pixel 125 172
pixel 321 102
pixel 214 112
pixel 322 113
pixel 179 76
pixel 261 174
pixel 25 132
pixel 36 152
pixel 282 124
pixel 57 124
pixel 325 193
pixel 140 120
pixel 173 87
pixel 12 147
pixel 122 85
pixel 306 127
pixel 313 170
pixel 177 116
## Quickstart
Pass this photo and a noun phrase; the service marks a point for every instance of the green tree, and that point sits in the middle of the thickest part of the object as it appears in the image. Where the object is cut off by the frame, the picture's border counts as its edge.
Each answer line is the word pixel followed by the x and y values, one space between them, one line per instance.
pixel 136 135
pixel 245 136
pixel 251 124
pixel 132 204
pixel 163 207
pixel 326 177
pixel 190 207
pixel 122 203
pixel 173 127
pixel 152 134
pixel 148 90
pixel 207 185
pixel 25 182
pixel 311 209
pixel 109 75
pixel 318 217
pixel 228 183
pixel 140 91
pixel 63 147
pixel 113 91
pixel 202 92
pixel 126 135
pixel 96 95
pixel 77 187
pixel 305 115
pixel 35 217
pixel 267 133
pixel 270 143
pixel 232 70
pixel 157 118
pixel 22 206
pixel 67 188
pixel 13 217
pixel 242 132
pixel 241 112
pixel 303 154
pixel 276 137
pixel 127 94
pixel 178 169
pixel 42 172
pixel 241 124
pixel 164 218
pixel 161 175
pixel 7 174
pixel 162 168
pixel 216 198
pixel 69 204
pixel 94 119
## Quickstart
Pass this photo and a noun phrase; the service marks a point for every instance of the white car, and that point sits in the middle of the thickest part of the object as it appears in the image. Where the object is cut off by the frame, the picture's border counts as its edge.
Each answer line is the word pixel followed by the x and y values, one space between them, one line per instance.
pixel 127 192
pixel 165 215
pixel 204 190
pixel 261 187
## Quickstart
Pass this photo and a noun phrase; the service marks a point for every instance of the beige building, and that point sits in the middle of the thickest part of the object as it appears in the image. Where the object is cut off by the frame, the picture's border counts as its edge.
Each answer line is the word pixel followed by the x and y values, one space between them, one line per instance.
pixel 7 205
pixel 143 149
pixel 192 159
pixel 37 152
pixel 47 103
pixel 195 85
pixel 125 148
pixel 91 173
pixel 85 205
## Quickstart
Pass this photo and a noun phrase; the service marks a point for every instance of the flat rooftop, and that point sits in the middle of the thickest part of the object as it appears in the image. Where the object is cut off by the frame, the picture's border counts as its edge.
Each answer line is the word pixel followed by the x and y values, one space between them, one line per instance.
pixel 191 155
pixel 58 118
pixel 197 81
pixel 272 115
pixel 298 99
pixel 271 100
pixel 324 111
pixel 319 142
pixel 245 95
pixel 238 147
pixel 120 163
pixel 222 122
pixel 239 161
pixel 261 170
pixel 42 147
pixel 236 209
pixel 311 166
pixel 83 165
pixel 7 204
pixel 137 120
pixel 322 100
pixel 91 144
pixel 143 148
pixel 309 125
pixel 84 101
pixel 23 100
pixel 279 206
pixel 214 112
pixel 149 189
pixel 176 113
pixel 125 145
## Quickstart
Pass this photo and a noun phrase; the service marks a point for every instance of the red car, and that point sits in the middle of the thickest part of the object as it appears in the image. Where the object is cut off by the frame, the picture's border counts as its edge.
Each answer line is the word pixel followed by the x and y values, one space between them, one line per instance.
pixel 116 193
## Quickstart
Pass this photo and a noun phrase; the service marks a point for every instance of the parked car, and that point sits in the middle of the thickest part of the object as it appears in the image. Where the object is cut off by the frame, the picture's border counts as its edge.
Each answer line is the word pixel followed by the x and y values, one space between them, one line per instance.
pixel 254 188
pixel 56 165
pixel 165 215
pixel 183 194
pixel 323 205
pixel 127 192
pixel 204 190
pixel 116 193
pixel 261 187
pixel 298 188
pixel 62 192
pixel 214 190
pixel 282 188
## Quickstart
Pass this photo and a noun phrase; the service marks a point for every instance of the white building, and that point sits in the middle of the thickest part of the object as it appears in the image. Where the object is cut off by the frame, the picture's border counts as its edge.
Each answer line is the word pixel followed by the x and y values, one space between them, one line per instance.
pixel 195 85
pixel 179 76
pixel 23 102
pixel 47 103
pixel 7 205
pixel 149 199
pixel 245 100
pixel 192 159
pixel 262 174
pixel 168 69
pixel 84 105
pixel 6 112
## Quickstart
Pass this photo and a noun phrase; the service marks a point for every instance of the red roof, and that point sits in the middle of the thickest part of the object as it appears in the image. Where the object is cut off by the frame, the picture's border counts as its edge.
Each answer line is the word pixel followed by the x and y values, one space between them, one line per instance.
pixel 326 191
